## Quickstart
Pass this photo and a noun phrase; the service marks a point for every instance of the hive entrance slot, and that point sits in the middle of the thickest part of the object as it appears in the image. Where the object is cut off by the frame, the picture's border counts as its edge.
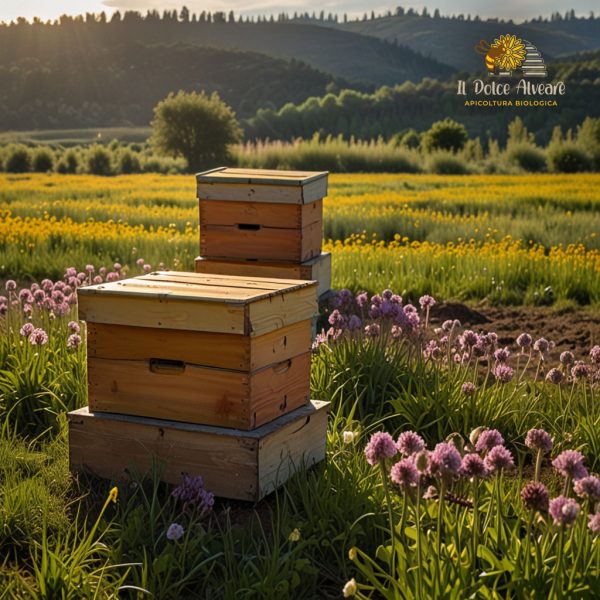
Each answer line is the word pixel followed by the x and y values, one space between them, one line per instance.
pixel 166 367
pixel 248 226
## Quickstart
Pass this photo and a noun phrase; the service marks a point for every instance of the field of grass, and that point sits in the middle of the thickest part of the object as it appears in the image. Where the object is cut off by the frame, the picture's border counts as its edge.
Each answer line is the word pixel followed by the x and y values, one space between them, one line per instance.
pixel 505 239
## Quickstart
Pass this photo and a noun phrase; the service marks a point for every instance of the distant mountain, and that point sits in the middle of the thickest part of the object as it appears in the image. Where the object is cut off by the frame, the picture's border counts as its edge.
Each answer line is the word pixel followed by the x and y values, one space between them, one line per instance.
pixel 583 67
pixel 452 40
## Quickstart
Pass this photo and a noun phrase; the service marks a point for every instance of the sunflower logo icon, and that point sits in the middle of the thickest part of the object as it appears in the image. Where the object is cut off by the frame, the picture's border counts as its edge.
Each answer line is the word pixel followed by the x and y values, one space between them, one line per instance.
pixel 512 52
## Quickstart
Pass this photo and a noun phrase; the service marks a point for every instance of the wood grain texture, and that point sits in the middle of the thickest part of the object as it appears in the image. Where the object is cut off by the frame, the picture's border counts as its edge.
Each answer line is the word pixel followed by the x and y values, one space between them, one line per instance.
pixel 234 464
pixel 220 350
pixel 268 176
pixel 195 394
pixel 283 216
pixel 265 243
pixel 318 268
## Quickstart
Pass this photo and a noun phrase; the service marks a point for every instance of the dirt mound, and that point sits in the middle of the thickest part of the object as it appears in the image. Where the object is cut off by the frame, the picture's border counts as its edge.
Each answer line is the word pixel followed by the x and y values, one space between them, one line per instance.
pixel 456 310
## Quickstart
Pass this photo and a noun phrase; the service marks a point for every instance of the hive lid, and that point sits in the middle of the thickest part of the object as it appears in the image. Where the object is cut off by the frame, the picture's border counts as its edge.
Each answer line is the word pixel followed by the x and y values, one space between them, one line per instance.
pixel 200 302
pixel 262 185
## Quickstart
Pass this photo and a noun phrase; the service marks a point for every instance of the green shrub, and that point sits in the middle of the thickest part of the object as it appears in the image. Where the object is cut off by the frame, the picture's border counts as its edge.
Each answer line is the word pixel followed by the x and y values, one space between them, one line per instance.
pixel 526 156
pixel 128 162
pixel 446 163
pixel 567 157
pixel 99 161
pixel 43 160
pixel 444 135
pixel 69 163
pixel 18 159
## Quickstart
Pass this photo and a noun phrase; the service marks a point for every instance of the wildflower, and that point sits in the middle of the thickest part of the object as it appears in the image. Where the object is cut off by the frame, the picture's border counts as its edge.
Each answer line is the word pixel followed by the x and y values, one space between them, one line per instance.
pixel 73 327
pixel 432 350
pixel 10 285
pixel 524 340
pixel 73 341
pixel 410 443
pixel 503 373
pixel 362 299
pixel 473 467
pixel 38 337
pixel 90 268
pixel 542 345
pixel 447 325
pixel 113 494
pixel 580 371
pixel 102 271
pixel 380 446
pixel 445 460
pixel 595 355
pixel 535 496
pixel 387 294
pixel 82 276
pixel 191 493
pixel 468 339
pixel 27 329
pixel 117 267
pixel 555 376
pixel 426 301
pixel 348 437
pixel 354 323
pixel 350 588
pixel 352 553
pixel 396 332
pixel 294 535
pixel 147 268
pixel 336 319
pixel 488 439
pixel 404 473
pixel 26 296
pixel 97 280
pixel 3 309
pixel 588 487
pixel 502 355
pixel 112 276
pixel 570 464
pixel 140 262
pixel 431 493
pixel 39 295
pixel 567 358
pixel 563 510
pixel 70 272
pixel 499 458
pixel 175 532
pixel 468 388
pixel 373 330
pixel 594 523
pixel 538 439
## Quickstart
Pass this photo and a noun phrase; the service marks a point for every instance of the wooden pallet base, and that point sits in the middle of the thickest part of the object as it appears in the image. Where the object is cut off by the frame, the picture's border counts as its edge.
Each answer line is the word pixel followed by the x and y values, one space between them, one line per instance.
pixel 243 465
pixel 318 269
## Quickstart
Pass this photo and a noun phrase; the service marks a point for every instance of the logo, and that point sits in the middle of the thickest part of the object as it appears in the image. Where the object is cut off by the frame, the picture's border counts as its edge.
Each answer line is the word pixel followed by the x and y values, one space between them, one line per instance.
pixel 509 56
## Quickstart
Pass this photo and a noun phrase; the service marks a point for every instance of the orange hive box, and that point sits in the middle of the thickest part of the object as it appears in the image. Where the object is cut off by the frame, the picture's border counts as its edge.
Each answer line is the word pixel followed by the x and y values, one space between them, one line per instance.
pixel 206 349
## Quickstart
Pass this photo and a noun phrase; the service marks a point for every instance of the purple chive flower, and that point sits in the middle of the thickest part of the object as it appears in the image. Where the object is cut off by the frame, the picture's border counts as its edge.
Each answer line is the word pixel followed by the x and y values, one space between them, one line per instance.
pixel 580 371
pixel 140 262
pixel 445 460
pixel 567 358
pixel 503 373
pixel 410 443
pixel 102 271
pixel 538 439
pixel 373 330
pixel 488 439
pixel 555 376
pixel 3 309
pixel 70 272
pixel 147 268
pixel 502 355
pixel 74 341
pixel 62 309
pixel 594 523
pixel 112 276
pixel 27 329
pixel 90 268
pixel 404 473
pixel 117 267
pixel 192 494
pixel 542 345
pixel 499 458
pixel 426 301
pixel 595 355
pixel 354 323
pixel 10 285
pixel 570 464
pixel 174 532
pixel 535 496
pixel 98 279
pixel 563 510
pixel 38 337
pixel 387 294
pixel 336 319
pixel 362 299
pixel 588 487
pixel 473 467
pixel 447 325
pixel 396 332
pixel 468 388
pixel 39 295
pixel 524 340
pixel 380 446
pixel 468 339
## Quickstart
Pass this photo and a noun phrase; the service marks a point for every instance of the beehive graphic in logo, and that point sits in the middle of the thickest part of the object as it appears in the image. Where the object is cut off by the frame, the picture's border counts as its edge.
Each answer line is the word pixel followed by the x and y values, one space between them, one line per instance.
pixel 509 56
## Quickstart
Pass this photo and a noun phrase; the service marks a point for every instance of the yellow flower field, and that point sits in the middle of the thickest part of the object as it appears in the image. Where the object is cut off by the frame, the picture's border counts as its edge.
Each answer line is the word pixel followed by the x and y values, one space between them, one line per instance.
pixel 504 238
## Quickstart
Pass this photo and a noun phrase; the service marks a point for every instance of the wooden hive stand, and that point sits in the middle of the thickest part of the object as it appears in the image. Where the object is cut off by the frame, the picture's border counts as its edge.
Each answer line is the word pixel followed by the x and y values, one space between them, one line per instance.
pixel 264 223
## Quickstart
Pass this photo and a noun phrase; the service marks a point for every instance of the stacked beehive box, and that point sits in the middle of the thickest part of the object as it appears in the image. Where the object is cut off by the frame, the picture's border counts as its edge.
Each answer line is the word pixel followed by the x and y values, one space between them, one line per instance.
pixel 207 374
pixel 263 223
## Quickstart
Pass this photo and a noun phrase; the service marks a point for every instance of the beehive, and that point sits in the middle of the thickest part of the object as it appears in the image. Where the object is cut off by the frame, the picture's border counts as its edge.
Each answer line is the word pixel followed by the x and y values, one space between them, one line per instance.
pixel 244 465
pixel 261 215
pixel 206 349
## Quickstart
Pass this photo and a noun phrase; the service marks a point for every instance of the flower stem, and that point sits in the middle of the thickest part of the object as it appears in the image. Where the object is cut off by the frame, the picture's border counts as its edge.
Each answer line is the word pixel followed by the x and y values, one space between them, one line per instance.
pixel 388 500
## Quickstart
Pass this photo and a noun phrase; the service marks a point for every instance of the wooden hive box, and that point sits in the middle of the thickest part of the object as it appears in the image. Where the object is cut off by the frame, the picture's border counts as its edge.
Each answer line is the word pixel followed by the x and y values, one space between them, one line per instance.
pixel 318 268
pixel 261 214
pixel 206 349
pixel 244 465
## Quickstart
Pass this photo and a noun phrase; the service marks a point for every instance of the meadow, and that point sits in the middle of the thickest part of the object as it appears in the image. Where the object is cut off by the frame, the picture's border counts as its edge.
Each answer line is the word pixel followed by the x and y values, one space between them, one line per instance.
pixel 457 465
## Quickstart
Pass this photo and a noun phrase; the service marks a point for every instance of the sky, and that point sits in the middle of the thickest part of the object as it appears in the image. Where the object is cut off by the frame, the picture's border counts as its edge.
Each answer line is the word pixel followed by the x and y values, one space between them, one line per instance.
pixel 509 9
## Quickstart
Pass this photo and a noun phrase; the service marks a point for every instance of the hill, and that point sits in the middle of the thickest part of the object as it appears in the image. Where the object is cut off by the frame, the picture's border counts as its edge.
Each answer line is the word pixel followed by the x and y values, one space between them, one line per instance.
pixel 452 40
